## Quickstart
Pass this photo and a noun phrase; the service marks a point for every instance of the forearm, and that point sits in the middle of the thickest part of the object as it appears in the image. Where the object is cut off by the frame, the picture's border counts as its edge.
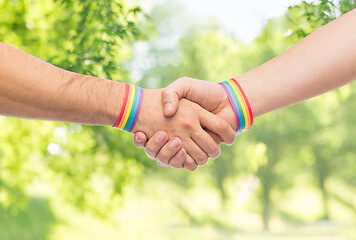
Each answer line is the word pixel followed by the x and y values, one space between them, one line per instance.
pixel 323 61
pixel 33 89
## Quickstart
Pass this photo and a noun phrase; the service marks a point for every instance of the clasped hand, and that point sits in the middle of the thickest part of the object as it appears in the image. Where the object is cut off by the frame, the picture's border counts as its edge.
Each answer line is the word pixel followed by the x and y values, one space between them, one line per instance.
pixel 185 123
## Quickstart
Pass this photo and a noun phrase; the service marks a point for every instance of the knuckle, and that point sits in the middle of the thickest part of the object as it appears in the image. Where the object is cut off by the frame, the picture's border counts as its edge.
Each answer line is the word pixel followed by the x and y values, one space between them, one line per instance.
pixel 189 162
pixel 176 163
pixel 182 79
pixel 218 154
pixel 231 138
pixel 198 134
pixel 165 156
pixel 201 158
pixel 233 141
pixel 149 148
pixel 165 91
pixel 195 109
pixel 190 166
pixel 150 151
pixel 191 169
pixel 203 163
pixel 187 124
pixel 188 107
pixel 149 155
pixel 164 153
pixel 222 126
pixel 160 163
pixel 218 141
pixel 164 159
pixel 214 150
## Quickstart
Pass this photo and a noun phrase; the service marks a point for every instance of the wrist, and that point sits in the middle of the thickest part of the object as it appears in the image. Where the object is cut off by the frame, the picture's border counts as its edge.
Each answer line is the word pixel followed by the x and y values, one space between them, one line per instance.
pixel 254 92
pixel 239 103
pixel 225 109
pixel 148 118
pixel 130 108
pixel 96 101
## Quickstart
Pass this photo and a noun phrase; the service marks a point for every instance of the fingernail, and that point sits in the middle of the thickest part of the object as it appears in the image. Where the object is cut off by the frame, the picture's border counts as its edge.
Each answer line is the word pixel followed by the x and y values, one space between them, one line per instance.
pixel 168 107
pixel 137 139
pixel 160 138
pixel 174 143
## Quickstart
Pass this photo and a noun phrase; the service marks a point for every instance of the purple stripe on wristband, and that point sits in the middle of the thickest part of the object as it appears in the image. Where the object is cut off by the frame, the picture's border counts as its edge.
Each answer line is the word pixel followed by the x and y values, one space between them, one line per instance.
pixel 232 105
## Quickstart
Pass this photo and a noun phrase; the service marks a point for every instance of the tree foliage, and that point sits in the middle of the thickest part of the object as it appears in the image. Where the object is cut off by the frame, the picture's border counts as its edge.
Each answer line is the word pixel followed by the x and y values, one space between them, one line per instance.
pixel 89 37
pixel 92 168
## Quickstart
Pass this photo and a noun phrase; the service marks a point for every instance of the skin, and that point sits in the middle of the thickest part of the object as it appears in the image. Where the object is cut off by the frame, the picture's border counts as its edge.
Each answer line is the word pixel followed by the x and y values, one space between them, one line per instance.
pixel 196 91
pixel 33 89
pixel 187 124
pixel 322 62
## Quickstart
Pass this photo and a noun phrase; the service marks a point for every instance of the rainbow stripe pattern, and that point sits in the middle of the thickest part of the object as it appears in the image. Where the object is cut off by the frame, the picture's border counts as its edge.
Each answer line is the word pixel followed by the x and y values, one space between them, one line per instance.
pixel 240 105
pixel 130 108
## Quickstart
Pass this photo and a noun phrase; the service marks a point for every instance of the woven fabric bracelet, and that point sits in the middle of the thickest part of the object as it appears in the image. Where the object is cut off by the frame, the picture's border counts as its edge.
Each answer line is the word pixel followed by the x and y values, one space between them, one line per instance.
pixel 240 105
pixel 130 108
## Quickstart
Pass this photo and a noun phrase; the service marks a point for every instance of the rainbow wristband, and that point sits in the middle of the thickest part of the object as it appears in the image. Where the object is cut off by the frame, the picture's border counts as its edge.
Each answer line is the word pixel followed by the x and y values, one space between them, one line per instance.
pixel 130 108
pixel 240 105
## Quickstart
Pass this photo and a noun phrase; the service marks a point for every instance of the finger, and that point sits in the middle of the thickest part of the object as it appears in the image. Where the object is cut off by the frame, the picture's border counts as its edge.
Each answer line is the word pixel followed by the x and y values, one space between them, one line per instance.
pixel 190 165
pixel 177 160
pixel 160 164
pixel 217 126
pixel 155 144
pixel 139 140
pixel 169 150
pixel 196 153
pixel 171 95
pixel 216 138
pixel 206 143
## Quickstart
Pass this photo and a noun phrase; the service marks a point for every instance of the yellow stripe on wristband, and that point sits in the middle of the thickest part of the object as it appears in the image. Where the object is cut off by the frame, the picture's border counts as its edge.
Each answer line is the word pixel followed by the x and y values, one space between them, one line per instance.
pixel 239 103
pixel 242 102
pixel 130 108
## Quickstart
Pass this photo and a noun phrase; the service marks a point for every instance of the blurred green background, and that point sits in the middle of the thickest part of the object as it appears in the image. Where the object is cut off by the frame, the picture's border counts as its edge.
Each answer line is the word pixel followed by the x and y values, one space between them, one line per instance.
pixel 292 176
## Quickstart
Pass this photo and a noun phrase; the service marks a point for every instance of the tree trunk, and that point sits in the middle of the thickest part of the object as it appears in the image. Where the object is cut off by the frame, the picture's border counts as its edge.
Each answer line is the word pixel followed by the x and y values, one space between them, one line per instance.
pixel 266 207
pixel 325 197
pixel 322 173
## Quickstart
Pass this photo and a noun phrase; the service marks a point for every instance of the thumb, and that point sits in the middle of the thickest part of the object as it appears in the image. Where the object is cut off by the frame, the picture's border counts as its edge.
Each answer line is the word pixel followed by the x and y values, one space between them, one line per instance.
pixel 171 95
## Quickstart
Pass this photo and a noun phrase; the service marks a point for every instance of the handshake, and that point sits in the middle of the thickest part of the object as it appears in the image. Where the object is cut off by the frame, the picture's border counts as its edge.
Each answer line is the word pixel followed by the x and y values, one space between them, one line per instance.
pixel 187 121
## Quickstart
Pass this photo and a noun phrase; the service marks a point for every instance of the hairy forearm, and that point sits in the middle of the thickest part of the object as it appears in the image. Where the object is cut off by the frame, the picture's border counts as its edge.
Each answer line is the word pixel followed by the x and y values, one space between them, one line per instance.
pixel 323 61
pixel 33 89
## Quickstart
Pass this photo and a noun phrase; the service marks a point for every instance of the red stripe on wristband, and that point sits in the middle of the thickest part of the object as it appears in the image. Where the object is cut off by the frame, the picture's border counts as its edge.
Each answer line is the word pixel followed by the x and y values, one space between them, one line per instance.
pixel 239 104
pixel 246 100
pixel 124 103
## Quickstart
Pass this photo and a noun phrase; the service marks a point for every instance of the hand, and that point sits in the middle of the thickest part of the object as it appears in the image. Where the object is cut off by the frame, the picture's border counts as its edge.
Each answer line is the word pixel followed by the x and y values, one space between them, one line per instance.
pixel 186 126
pixel 208 95
pixel 158 148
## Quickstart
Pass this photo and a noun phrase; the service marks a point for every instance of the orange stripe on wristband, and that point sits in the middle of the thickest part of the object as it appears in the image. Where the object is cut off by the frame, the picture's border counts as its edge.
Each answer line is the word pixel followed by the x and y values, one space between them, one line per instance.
pixel 130 108
pixel 240 104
